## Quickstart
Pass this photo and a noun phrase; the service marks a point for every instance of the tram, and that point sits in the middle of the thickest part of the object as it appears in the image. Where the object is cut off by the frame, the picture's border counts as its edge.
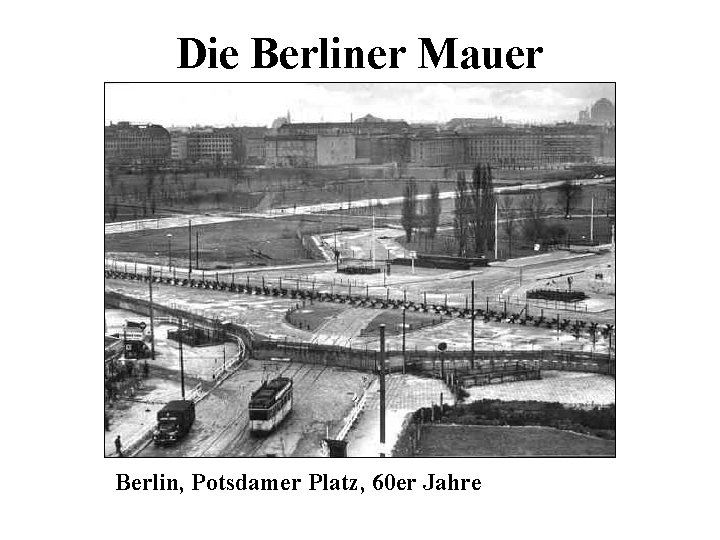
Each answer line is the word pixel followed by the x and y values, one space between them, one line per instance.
pixel 270 404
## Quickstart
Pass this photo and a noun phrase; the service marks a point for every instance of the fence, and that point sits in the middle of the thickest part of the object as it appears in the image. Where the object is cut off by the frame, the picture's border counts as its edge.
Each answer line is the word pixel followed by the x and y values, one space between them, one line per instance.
pixel 352 416
pixel 367 359
pixel 495 309
pixel 539 303
pixel 189 317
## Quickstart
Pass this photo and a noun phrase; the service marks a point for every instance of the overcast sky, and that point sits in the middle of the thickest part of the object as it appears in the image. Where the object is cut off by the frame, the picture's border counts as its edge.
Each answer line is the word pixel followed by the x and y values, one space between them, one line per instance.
pixel 259 104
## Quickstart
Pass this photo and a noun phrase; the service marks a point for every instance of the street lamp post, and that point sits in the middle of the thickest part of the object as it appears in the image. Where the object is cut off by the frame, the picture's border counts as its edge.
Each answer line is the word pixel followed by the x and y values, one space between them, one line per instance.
pixel 169 237
pixel 189 248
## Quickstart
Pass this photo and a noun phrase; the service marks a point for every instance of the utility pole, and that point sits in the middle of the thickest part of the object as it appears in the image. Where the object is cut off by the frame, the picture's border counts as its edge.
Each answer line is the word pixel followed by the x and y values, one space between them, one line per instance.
pixel 472 324
pixel 189 247
pixel 496 230
pixel 197 249
pixel 403 341
pixel 382 390
pixel 169 237
pixel 182 365
pixel 592 218
pixel 152 323
pixel 372 245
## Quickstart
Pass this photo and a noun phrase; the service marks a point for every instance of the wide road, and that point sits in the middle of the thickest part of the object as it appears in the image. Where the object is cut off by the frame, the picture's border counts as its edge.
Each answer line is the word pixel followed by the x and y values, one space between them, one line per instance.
pixel 321 399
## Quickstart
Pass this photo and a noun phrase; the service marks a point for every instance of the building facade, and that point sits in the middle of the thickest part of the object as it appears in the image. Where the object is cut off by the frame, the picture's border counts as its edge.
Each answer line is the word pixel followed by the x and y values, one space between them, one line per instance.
pixel 511 147
pixel 603 112
pixel 362 126
pixel 504 147
pixel 437 150
pixel 128 143
pixel 291 151
pixel 213 145
pixel 383 149
pixel 336 150
pixel 178 146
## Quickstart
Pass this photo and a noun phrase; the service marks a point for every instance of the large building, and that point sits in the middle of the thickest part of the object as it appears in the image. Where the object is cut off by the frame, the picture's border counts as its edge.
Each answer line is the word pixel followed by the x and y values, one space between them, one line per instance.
pixel 461 124
pixel 128 143
pixel 213 145
pixel 365 126
pixel 379 149
pixel 510 147
pixel 206 145
pixel 569 143
pixel 336 150
pixel 437 149
pixel 178 145
pixel 504 147
pixel 291 150
pixel 601 113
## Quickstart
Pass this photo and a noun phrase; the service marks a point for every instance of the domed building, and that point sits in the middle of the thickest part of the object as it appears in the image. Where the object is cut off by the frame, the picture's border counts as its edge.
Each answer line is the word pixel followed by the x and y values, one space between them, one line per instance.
pixel 602 112
pixel 279 122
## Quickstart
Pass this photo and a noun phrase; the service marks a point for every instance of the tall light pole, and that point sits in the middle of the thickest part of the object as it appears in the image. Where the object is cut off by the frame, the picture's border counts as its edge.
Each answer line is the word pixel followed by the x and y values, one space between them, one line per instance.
pixel 372 241
pixel 182 364
pixel 472 324
pixel 152 323
pixel 592 218
pixel 169 237
pixel 403 338
pixel 382 390
pixel 496 230
pixel 189 247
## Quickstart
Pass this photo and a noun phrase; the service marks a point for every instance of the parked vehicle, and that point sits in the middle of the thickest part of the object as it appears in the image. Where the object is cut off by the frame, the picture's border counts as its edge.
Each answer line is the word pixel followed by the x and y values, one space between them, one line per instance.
pixel 174 421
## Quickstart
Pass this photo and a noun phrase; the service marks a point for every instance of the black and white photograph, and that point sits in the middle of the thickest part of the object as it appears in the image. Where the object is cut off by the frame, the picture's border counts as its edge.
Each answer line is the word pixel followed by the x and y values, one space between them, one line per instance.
pixel 384 231
pixel 359 269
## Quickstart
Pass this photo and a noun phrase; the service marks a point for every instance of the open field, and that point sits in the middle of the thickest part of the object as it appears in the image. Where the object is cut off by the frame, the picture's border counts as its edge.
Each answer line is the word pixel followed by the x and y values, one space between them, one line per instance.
pixel 134 196
pixel 313 316
pixel 247 241
pixel 464 441
pixel 575 231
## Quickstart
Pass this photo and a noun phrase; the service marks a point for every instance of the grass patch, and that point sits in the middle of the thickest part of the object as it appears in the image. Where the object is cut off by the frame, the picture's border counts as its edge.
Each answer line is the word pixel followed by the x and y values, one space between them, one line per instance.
pixel 443 440
pixel 312 316
pixel 392 319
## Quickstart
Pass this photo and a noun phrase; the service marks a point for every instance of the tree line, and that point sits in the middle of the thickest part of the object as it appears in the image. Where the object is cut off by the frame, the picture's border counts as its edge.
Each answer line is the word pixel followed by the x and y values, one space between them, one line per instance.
pixel 476 210
pixel 416 216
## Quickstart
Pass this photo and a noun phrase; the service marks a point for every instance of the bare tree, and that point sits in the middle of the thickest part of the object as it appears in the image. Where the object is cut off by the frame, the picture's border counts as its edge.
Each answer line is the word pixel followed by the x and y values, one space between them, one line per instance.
pixel 569 194
pixel 484 206
pixel 509 223
pixel 533 209
pixel 408 219
pixel 149 179
pixel 463 212
pixel 433 210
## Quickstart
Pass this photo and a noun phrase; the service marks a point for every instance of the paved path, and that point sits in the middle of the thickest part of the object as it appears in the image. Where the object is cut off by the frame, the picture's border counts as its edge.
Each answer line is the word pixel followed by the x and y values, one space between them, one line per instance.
pixel 344 326
pixel 204 219
pixel 181 272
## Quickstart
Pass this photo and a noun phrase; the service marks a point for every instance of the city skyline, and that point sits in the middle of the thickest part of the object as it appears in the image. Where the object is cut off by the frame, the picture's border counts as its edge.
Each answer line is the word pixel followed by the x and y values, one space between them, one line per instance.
pixel 179 104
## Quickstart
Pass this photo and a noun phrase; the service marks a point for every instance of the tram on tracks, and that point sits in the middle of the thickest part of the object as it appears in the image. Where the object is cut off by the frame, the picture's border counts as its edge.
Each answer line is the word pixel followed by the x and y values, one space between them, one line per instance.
pixel 270 404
